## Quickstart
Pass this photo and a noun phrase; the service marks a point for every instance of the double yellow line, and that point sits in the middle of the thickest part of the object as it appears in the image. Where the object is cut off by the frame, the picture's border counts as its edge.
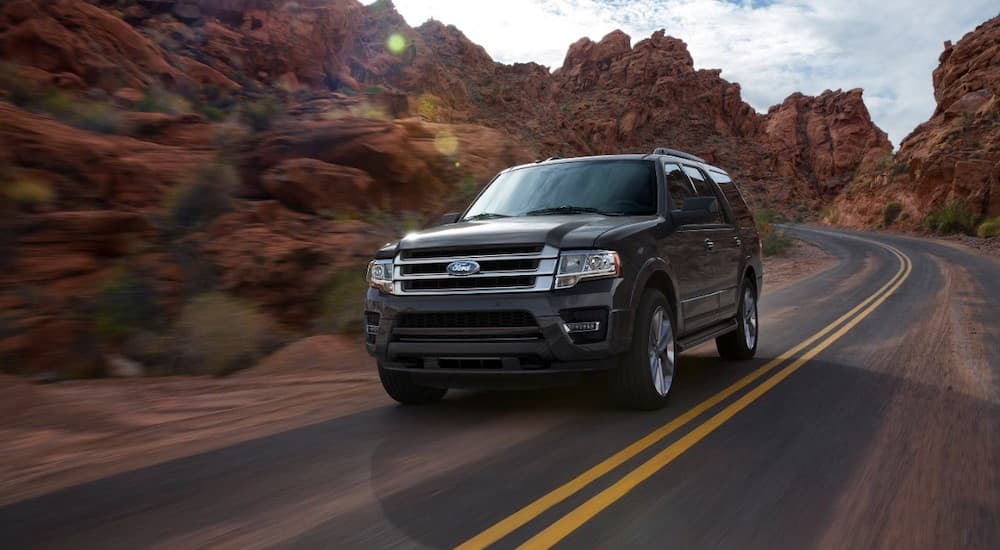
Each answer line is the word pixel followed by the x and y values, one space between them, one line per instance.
pixel 584 512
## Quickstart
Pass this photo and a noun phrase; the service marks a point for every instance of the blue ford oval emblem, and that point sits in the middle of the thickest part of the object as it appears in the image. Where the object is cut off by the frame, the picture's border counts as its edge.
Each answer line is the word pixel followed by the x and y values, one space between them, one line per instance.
pixel 463 267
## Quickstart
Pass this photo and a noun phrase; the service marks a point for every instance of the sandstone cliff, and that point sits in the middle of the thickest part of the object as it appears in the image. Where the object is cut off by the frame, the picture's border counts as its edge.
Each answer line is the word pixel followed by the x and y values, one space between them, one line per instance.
pixel 953 158
pixel 156 149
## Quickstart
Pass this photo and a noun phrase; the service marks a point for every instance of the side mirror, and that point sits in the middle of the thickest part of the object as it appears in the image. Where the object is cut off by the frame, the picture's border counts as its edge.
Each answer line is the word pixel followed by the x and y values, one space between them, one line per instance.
pixel 450 217
pixel 696 211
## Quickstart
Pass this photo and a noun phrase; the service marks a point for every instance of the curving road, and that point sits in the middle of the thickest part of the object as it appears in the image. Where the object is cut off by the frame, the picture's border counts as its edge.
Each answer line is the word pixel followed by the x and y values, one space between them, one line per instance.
pixel 871 418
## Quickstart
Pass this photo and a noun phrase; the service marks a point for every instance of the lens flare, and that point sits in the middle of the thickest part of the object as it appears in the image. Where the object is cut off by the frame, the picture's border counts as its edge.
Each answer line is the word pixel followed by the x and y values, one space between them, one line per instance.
pixel 395 43
pixel 446 144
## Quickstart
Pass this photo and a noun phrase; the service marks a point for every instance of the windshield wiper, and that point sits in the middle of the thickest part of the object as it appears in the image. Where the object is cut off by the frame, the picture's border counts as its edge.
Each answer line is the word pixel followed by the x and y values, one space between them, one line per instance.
pixel 484 216
pixel 569 210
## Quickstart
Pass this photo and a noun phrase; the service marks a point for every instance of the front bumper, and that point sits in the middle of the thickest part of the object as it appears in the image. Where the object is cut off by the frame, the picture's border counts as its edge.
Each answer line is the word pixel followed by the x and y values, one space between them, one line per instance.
pixel 549 354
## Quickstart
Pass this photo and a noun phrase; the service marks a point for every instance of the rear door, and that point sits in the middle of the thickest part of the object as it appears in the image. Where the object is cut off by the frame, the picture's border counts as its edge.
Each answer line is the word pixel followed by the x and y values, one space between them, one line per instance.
pixel 689 251
pixel 726 251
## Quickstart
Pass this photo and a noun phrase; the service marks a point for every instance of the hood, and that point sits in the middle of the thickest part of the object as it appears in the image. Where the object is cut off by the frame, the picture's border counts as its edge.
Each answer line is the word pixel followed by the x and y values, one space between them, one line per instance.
pixel 579 231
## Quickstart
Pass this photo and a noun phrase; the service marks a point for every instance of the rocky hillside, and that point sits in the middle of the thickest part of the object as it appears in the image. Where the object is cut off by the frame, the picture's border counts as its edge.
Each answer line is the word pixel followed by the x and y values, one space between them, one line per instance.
pixel 154 151
pixel 946 174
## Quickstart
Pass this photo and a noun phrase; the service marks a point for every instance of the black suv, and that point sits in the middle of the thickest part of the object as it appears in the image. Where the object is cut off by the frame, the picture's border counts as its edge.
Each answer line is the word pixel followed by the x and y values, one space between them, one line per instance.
pixel 559 268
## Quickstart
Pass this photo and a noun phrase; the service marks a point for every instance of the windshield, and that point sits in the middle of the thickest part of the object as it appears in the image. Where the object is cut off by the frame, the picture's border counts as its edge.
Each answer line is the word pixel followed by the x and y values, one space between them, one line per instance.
pixel 609 187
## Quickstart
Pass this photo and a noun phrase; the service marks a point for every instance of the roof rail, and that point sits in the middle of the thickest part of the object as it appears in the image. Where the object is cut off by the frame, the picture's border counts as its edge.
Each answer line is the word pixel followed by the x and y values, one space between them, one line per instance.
pixel 676 153
pixel 539 161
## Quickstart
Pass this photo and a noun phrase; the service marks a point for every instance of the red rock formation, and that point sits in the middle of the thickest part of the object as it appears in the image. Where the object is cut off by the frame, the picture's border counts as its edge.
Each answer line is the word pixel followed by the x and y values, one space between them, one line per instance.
pixel 954 156
pixel 826 138
pixel 344 128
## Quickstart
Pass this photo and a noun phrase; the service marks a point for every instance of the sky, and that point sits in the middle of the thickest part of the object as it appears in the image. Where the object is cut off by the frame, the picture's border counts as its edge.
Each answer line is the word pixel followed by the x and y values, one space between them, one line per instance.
pixel 772 48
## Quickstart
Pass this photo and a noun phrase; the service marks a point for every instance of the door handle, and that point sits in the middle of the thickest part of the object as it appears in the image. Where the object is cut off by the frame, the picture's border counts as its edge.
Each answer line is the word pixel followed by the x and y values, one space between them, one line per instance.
pixel 710 244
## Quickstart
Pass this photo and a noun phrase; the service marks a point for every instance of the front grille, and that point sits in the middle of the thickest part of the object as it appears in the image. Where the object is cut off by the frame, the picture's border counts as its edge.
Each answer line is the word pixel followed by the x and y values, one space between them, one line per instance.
pixel 489 250
pixel 502 268
pixel 484 266
pixel 465 326
pixel 466 319
pixel 471 364
pixel 465 284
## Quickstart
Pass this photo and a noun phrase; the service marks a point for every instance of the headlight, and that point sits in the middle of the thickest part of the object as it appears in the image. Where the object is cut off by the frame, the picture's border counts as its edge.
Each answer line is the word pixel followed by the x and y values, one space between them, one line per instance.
pixel 591 264
pixel 380 275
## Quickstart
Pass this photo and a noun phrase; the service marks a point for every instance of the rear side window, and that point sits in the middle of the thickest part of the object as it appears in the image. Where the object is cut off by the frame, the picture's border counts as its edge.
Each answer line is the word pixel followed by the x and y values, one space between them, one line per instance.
pixel 678 185
pixel 744 218
pixel 704 189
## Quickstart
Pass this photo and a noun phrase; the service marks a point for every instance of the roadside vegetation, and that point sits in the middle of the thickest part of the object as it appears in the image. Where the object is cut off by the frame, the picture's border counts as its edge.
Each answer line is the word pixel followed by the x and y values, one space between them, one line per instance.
pixel 891 213
pixel 989 228
pixel 774 241
pixel 950 218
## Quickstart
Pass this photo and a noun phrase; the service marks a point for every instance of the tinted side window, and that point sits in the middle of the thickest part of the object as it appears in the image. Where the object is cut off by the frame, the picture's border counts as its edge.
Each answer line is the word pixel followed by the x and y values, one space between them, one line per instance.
pixel 704 189
pixel 678 185
pixel 744 218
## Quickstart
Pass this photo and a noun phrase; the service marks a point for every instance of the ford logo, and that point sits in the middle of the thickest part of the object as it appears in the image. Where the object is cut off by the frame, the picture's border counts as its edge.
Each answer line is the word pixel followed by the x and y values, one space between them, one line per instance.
pixel 463 267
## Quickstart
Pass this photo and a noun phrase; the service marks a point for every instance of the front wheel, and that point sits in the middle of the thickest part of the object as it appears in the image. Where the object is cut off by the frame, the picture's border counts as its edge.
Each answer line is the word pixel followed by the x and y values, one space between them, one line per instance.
pixel 400 387
pixel 742 342
pixel 646 373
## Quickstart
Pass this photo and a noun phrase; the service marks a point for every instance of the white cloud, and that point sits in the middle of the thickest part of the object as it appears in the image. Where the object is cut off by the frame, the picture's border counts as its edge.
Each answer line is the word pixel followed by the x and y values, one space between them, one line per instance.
pixel 772 48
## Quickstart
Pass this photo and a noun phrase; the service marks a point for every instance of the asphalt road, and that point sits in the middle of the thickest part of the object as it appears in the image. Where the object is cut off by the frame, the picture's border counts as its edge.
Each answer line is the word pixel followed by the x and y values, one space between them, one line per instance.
pixel 871 418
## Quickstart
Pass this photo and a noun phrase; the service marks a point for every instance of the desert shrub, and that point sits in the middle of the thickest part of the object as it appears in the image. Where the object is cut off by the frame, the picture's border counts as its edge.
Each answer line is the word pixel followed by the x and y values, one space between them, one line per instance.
pixel 260 114
pixel 218 334
pixel 773 240
pixel 342 301
pixel 891 213
pixel 429 107
pixel 953 217
pixel 989 228
pixel 373 89
pixel 17 89
pixel 97 117
pixel 156 99
pixel 25 193
pixel 192 204
pixel 900 168
pixel 126 303
pixel 213 113
pixel 885 162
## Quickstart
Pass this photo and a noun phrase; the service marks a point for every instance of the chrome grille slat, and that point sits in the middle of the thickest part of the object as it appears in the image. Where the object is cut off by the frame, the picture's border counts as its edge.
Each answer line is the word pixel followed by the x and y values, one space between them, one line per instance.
pixel 424 272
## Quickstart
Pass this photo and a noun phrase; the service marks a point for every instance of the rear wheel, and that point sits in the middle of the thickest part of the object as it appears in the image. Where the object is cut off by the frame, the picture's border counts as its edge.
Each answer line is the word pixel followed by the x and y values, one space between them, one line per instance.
pixel 400 387
pixel 646 373
pixel 742 342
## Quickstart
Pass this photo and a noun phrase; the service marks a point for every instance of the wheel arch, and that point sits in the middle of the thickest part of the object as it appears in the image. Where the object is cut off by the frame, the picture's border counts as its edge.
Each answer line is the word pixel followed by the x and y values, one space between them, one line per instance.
pixel 656 273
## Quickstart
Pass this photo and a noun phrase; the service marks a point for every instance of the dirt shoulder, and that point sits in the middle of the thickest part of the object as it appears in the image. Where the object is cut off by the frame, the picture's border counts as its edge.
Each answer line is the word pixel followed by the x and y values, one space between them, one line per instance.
pixel 63 434
pixel 67 433
pixel 802 260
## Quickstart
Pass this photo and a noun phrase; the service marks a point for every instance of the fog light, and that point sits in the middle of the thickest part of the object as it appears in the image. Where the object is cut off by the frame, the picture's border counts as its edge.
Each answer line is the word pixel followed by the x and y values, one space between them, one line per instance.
pixel 582 326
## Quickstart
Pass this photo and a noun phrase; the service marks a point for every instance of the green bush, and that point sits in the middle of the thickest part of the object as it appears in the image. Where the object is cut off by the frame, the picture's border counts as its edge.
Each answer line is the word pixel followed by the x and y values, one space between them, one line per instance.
pixel 194 203
pixel 218 334
pixel 25 193
pixel 989 228
pixel 97 117
pixel 260 114
pixel 213 113
pixel 158 100
pixel 342 302
pixel 16 89
pixel 891 213
pixel 953 217
pixel 775 242
pixel 125 304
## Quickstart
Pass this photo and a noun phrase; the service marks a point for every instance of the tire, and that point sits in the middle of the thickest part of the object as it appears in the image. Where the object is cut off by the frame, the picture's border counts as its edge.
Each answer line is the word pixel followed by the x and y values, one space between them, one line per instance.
pixel 400 387
pixel 741 344
pixel 635 384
